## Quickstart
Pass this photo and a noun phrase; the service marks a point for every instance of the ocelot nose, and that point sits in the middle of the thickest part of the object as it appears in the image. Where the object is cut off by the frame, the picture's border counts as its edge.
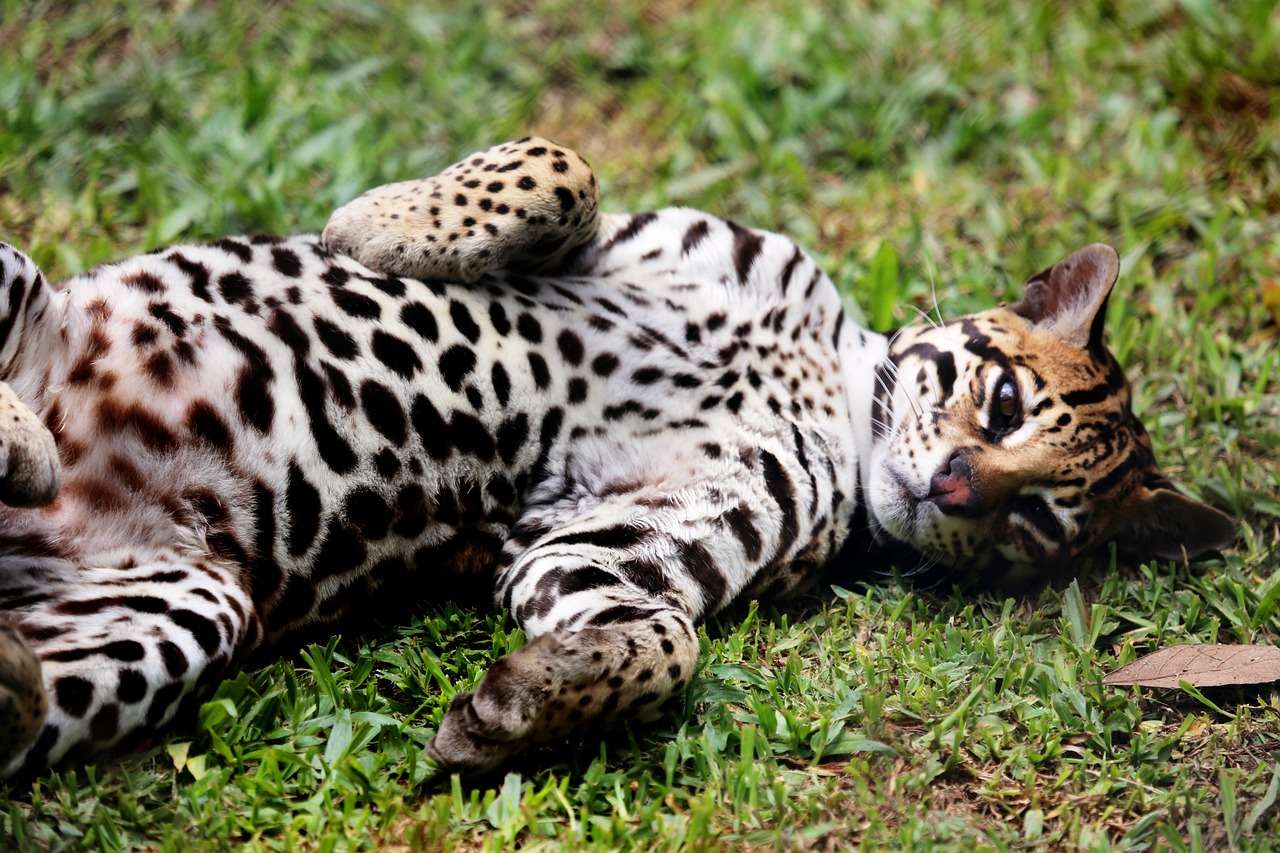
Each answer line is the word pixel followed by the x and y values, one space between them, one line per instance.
pixel 952 487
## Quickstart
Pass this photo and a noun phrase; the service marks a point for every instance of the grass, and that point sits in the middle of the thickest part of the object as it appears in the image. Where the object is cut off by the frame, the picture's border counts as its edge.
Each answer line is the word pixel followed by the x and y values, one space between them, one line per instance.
pixel 911 145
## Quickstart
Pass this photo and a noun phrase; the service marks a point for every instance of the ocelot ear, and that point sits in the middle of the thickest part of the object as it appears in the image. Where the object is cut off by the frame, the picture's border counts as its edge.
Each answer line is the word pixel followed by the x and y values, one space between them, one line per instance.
pixel 1161 522
pixel 1069 299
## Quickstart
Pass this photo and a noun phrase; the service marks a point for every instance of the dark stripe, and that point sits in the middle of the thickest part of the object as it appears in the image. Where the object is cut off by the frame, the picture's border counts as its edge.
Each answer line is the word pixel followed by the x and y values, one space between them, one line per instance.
pixel 803 459
pixel 880 396
pixel 587 578
pixel 742 525
pixel 1137 458
pixel 621 613
pixel 204 630
pixel 16 291
pixel 780 489
pixel 943 362
pixel 619 536
pixel 784 280
pixel 696 234
pixel 1036 511
pixel 746 248
pixel 1113 383
pixel 813 282
pixel 634 227
pixel 702 569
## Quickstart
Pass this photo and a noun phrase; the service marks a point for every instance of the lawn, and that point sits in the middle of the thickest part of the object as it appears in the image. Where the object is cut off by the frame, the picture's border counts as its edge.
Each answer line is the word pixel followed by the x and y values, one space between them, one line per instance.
pixel 980 143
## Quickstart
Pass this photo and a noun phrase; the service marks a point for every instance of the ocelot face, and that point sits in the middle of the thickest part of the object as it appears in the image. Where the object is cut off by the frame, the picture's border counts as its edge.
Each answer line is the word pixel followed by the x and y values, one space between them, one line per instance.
pixel 1009 434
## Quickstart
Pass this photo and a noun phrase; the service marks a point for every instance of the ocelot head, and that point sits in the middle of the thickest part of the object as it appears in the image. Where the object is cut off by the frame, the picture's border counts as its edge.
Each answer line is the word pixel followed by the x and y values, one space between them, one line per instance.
pixel 1009 434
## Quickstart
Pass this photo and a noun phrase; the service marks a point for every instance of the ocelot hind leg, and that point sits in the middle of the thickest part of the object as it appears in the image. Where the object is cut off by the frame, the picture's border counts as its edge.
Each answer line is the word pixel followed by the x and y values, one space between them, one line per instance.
pixel 524 206
pixel 29 466
pixel 92 656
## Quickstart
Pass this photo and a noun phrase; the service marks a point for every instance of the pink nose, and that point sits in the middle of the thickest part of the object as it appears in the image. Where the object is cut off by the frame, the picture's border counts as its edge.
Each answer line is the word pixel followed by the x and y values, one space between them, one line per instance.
pixel 951 488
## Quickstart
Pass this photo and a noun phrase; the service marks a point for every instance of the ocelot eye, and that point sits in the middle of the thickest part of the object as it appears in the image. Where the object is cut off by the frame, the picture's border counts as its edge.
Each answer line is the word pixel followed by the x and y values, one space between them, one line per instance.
pixel 1006 408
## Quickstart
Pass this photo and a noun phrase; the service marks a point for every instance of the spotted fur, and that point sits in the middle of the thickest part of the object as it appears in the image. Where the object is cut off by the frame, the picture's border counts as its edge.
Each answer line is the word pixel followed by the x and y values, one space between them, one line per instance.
pixel 612 434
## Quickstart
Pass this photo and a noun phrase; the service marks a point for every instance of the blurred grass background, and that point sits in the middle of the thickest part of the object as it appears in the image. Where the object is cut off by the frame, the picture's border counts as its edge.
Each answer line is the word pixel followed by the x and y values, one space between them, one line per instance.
pixel 974 142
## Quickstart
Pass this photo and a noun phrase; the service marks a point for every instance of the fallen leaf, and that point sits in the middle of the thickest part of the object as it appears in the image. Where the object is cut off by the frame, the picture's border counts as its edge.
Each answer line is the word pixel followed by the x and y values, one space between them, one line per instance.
pixel 1270 288
pixel 1206 665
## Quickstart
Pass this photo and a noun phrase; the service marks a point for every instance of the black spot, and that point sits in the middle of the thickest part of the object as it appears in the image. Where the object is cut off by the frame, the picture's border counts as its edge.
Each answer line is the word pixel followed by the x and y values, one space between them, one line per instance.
pixel 541 375
pixel 512 434
pixel 254 399
pixel 498 318
pixel 418 317
pixel 337 341
pixel 131 686
pixel 73 694
pixel 395 354
pixel 577 389
pixel 529 328
pixel 570 347
pixel 432 431
pixel 526 183
pixel 340 386
pixel 462 321
pixel 411 513
pixel 206 424
pixel 470 436
pixel 159 366
pixel 158 710
pixel 604 364
pixel 383 411
pixel 356 304
pixel 286 262
pixel 175 662
pixel 456 363
pixel 370 514
pixel 235 288
pixel 105 723
pixel 501 383
pixel 565 198
pixel 386 463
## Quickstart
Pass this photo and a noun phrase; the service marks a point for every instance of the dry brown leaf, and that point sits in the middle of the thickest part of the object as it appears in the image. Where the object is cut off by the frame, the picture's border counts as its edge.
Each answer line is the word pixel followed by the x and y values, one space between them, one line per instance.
pixel 1270 289
pixel 1205 665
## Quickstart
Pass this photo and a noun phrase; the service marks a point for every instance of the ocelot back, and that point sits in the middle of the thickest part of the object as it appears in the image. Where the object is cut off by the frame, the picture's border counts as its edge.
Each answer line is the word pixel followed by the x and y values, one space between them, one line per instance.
pixel 615 425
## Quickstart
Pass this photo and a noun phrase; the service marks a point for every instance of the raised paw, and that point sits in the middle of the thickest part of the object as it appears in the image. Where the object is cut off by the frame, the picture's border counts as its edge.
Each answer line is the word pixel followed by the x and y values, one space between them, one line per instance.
pixel 521 206
pixel 29 465
pixel 22 698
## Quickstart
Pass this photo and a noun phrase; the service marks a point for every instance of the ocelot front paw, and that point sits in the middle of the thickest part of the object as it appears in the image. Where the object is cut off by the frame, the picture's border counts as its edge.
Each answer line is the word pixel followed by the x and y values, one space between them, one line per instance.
pixel 23 703
pixel 29 465
pixel 562 682
pixel 483 729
